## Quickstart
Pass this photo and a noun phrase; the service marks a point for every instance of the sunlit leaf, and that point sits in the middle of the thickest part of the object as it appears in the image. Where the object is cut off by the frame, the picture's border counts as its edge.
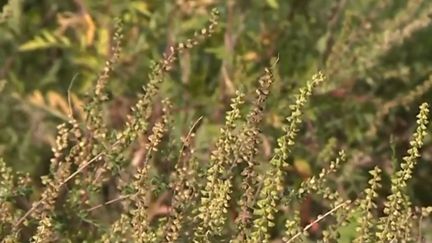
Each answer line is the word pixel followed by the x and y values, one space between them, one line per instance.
pixel 273 3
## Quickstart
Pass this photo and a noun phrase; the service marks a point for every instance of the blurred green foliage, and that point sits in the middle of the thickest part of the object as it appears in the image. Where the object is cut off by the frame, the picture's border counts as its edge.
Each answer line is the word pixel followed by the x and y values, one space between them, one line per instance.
pixel 374 52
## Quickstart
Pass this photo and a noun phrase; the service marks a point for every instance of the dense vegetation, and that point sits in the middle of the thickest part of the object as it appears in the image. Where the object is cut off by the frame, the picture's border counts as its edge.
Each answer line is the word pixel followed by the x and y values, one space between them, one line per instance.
pixel 215 121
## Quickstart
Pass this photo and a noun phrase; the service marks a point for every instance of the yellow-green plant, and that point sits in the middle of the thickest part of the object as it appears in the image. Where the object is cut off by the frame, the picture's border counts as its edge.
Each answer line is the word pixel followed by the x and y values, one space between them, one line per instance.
pixel 141 183
pixel 272 187
pixel 397 224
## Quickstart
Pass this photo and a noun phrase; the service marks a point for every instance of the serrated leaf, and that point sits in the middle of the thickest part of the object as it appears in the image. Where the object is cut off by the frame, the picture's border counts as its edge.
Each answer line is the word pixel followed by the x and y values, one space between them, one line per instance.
pixel 45 40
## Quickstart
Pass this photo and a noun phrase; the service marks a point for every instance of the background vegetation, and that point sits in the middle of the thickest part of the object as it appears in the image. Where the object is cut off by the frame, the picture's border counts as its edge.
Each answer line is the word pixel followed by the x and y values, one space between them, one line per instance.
pixel 376 56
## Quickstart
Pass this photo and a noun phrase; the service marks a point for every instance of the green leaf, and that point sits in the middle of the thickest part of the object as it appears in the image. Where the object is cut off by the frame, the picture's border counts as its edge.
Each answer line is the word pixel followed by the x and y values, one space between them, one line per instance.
pixel 273 4
pixel 45 40
pixel 348 232
pixel 141 7
pixel 322 43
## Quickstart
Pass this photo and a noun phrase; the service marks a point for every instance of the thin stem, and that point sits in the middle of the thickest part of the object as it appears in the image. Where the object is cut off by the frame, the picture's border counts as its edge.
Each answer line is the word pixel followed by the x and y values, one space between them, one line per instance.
pixel 35 205
pixel 110 202
pixel 319 218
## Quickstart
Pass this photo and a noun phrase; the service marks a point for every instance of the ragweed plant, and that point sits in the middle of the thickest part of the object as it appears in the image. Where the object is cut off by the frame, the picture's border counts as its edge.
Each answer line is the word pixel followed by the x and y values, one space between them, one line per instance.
pixel 216 193
pixel 185 191
pixel 315 184
pixel 272 186
pixel 396 225
pixel 368 222
pixel 247 153
pixel 11 187
pixel 142 183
